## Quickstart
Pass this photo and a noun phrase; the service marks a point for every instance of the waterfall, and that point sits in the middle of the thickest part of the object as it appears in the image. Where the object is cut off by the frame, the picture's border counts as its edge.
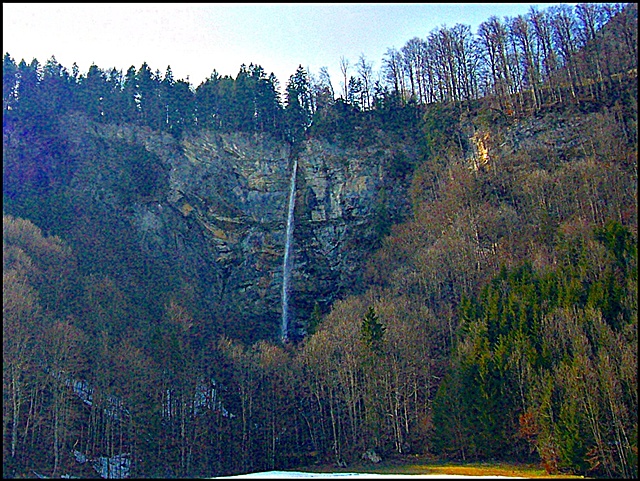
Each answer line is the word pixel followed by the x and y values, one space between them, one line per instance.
pixel 286 266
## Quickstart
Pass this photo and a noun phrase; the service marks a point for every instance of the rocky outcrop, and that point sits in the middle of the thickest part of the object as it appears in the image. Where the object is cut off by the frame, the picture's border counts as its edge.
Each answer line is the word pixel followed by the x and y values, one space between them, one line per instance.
pixel 372 456
pixel 217 214
pixel 234 189
pixel 336 219
pixel 489 134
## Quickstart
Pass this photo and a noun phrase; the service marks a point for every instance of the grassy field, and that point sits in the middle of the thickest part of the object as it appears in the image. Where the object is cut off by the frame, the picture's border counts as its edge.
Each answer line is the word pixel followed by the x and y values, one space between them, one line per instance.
pixel 474 469
pixel 421 465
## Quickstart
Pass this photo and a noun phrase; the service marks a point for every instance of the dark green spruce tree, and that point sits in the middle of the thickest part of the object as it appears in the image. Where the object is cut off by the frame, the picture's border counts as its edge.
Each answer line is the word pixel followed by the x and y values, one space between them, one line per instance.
pixel 298 106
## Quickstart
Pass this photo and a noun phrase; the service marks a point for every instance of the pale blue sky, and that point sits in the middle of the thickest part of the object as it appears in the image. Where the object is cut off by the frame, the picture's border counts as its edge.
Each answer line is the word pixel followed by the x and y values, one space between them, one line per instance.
pixel 197 38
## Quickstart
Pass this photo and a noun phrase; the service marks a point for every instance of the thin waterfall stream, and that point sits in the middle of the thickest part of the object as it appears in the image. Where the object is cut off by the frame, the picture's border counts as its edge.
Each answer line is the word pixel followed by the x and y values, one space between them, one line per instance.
pixel 286 266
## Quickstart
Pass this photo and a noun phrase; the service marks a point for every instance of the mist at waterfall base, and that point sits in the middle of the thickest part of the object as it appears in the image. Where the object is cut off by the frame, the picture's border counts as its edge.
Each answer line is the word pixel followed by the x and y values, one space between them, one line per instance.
pixel 286 266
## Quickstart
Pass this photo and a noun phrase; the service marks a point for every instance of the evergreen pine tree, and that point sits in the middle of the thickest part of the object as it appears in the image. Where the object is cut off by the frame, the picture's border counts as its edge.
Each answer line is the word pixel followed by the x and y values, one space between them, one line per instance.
pixel 9 83
pixel 372 331
pixel 298 106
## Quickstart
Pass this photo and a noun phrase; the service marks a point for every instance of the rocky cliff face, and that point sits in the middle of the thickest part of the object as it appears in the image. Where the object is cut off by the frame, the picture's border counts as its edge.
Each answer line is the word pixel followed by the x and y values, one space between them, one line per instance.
pixel 217 212
pixel 345 197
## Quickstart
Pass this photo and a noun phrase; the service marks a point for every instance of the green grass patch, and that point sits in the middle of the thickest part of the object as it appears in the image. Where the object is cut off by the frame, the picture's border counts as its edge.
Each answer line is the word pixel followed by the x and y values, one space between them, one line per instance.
pixel 471 469
pixel 423 465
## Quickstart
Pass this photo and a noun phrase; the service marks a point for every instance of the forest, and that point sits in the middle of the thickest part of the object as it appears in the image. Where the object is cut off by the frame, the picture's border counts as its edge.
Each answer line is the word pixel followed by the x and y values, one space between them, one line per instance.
pixel 496 320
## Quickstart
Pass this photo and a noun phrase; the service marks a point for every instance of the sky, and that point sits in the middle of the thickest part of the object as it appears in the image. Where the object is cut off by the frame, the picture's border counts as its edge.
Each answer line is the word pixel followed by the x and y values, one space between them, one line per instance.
pixel 195 39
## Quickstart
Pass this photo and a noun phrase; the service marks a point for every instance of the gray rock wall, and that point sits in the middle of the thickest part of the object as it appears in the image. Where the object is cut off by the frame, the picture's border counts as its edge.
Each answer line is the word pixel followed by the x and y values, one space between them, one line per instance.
pixel 221 219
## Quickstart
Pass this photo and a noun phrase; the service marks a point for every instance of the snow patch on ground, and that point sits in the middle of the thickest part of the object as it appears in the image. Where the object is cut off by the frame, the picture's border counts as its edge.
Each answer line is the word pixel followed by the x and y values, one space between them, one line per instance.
pixel 302 474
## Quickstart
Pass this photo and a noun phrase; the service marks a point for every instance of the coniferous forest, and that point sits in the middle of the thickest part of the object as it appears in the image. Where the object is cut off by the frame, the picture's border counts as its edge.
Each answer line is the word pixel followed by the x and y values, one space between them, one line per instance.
pixel 495 320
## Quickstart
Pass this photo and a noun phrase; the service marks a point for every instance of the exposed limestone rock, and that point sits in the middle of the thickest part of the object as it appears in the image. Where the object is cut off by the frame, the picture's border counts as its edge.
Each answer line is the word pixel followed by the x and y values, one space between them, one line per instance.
pixel 218 210
pixel 371 455
pixel 480 141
